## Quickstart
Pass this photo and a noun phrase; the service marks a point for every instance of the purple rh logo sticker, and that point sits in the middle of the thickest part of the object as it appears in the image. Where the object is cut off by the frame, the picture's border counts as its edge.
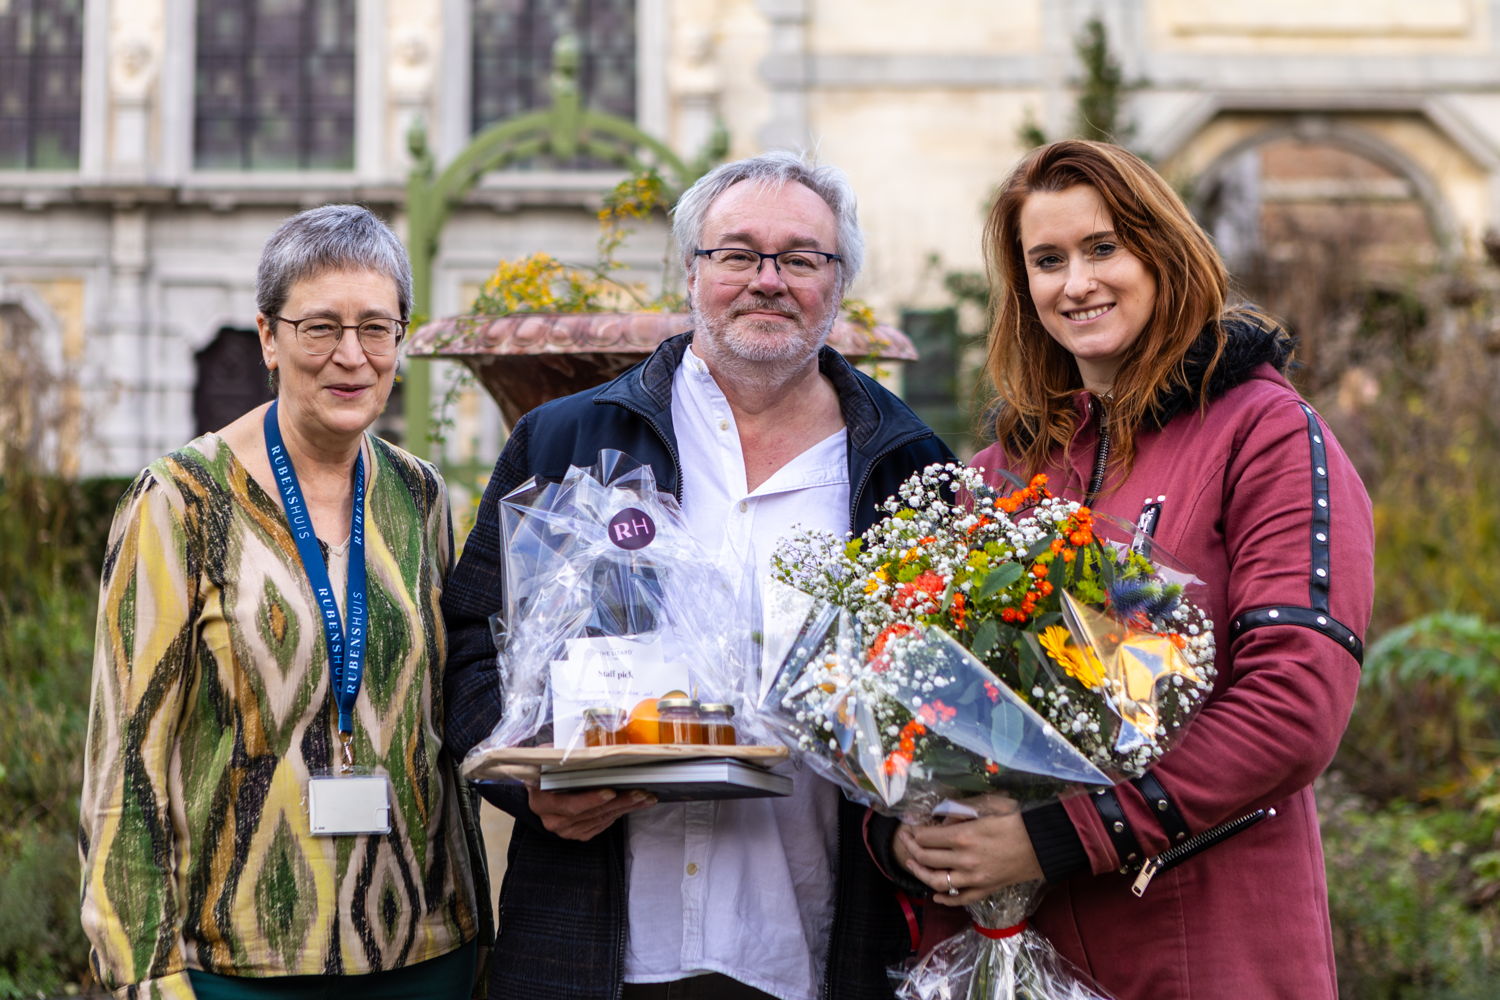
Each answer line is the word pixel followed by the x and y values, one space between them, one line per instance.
pixel 632 529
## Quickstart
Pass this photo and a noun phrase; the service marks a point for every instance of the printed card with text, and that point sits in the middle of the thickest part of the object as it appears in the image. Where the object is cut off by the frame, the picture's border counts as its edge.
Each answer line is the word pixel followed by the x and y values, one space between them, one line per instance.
pixel 615 671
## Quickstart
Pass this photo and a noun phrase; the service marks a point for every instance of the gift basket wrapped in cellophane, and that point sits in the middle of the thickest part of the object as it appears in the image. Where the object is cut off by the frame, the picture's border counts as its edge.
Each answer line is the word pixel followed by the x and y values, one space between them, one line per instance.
pixel 627 657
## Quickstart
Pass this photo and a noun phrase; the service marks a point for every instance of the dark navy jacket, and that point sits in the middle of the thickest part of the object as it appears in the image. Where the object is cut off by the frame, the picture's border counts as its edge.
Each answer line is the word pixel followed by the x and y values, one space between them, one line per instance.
pixel 562 904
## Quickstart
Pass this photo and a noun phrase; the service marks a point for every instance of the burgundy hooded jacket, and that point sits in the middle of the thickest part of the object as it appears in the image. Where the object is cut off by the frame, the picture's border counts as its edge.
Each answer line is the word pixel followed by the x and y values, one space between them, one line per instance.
pixel 1256 498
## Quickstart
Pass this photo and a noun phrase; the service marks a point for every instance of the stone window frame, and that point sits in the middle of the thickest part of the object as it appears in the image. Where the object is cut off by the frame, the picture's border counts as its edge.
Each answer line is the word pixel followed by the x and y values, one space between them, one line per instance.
pixel 453 129
pixel 178 107
pixel 508 79
pixel 280 91
pixel 88 46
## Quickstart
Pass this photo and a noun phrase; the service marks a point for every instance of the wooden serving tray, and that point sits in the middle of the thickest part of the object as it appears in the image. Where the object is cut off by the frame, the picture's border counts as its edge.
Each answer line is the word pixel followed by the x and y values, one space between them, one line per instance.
pixel 527 763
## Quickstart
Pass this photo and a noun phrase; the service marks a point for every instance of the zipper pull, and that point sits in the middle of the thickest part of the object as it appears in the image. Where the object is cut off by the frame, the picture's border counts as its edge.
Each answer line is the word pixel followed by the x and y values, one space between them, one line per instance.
pixel 1148 872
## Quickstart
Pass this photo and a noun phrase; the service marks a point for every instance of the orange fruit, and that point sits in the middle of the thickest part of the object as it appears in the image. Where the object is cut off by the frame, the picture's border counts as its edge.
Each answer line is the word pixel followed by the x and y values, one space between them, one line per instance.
pixel 642 726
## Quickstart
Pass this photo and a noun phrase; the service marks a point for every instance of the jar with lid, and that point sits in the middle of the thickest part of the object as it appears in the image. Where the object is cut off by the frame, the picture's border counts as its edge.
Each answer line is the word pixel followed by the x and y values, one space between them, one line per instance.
pixel 718 723
pixel 680 721
pixel 603 726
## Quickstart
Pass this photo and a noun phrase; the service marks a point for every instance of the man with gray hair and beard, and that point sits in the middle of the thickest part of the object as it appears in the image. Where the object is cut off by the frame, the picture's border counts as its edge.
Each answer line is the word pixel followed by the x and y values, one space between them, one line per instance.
pixel 756 426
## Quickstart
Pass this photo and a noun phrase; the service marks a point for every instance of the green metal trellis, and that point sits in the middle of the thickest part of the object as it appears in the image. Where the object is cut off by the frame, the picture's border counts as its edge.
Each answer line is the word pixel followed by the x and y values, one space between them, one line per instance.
pixel 564 130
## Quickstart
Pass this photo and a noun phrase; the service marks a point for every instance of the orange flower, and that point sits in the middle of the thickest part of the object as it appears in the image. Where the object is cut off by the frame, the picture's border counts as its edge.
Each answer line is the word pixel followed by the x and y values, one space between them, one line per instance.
pixel 930 582
pixel 877 648
pixel 1031 493
pixel 907 742
pixel 927 587
pixel 960 610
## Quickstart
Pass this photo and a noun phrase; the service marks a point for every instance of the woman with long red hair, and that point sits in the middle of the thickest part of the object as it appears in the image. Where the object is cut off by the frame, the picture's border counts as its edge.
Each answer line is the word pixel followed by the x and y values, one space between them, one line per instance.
pixel 1127 378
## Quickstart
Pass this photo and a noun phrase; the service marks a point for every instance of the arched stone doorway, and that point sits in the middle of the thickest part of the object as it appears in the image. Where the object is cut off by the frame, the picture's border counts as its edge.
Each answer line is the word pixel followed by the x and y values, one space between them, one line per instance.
pixel 231 379
pixel 39 405
pixel 1325 225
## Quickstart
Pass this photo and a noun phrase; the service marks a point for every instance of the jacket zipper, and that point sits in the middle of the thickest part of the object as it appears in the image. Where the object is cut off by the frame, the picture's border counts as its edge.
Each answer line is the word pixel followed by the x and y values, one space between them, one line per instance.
pixel 1177 854
pixel 838 892
pixel 1101 457
pixel 864 479
pixel 624 919
pixel 656 429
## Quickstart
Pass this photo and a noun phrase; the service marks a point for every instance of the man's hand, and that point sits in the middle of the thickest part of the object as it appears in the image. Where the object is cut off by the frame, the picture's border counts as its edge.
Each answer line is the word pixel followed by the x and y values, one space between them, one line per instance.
pixel 583 815
pixel 975 856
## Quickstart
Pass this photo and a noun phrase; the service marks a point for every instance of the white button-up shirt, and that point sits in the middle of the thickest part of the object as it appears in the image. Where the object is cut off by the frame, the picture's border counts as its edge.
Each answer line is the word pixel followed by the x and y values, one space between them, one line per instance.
pixel 742 887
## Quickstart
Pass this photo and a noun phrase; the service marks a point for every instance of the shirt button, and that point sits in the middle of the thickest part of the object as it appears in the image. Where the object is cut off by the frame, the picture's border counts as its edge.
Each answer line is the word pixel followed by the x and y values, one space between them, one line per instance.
pixel 723 425
pixel 744 506
pixel 692 868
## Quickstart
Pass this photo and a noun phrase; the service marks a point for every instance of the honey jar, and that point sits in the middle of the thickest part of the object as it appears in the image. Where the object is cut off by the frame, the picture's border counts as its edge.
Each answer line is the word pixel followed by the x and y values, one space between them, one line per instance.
pixel 603 726
pixel 680 721
pixel 718 723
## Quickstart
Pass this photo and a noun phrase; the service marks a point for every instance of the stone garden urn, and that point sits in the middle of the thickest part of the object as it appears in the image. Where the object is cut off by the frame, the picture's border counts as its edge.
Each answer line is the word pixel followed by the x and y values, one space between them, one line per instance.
pixel 526 359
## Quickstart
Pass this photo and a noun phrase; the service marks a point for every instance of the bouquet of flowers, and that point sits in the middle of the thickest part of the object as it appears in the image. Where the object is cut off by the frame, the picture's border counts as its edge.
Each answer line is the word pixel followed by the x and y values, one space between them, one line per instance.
pixel 974 642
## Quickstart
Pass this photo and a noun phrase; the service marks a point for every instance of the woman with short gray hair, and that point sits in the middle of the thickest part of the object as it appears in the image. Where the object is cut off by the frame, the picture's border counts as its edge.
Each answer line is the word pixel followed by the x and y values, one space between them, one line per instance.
pixel 267 805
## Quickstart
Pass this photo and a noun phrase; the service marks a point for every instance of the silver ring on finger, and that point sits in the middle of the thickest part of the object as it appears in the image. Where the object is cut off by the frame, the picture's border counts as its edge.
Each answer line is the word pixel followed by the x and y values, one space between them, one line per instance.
pixel 952 890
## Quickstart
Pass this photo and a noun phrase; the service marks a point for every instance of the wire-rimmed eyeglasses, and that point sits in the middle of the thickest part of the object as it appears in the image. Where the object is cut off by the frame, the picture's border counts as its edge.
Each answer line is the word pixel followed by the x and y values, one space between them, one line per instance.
pixel 320 335
pixel 740 265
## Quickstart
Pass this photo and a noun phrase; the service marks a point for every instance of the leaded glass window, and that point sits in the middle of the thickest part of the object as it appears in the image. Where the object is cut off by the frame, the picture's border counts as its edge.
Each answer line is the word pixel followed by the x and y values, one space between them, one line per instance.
pixel 275 85
pixel 512 44
pixel 41 75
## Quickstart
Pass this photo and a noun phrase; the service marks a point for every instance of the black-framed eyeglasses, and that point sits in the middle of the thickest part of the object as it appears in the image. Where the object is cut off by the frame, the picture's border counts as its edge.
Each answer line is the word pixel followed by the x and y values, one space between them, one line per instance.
pixel 740 265
pixel 320 335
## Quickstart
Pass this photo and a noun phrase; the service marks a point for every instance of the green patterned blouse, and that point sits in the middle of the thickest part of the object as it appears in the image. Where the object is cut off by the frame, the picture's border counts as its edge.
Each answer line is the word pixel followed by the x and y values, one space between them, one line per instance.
pixel 211 707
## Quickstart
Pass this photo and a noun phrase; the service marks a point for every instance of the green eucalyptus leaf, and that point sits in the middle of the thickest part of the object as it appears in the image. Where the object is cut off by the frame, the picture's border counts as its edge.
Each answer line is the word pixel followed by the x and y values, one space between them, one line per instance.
pixel 985 637
pixel 998 579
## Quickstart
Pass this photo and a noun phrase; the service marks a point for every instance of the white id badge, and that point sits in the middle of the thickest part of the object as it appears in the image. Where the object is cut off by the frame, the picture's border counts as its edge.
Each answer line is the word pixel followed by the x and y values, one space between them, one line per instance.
pixel 340 805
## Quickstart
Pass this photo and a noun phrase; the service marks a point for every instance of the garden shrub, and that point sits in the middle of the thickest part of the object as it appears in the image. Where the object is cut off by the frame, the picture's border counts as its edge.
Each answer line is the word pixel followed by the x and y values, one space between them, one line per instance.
pixel 1427 723
pixel 42 948
pixel 1412 831
pixel 1411 896
pixel 52 536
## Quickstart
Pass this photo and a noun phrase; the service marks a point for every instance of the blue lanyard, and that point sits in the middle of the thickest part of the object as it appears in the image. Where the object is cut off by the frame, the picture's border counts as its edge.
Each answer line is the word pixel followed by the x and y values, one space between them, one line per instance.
pixel 346 665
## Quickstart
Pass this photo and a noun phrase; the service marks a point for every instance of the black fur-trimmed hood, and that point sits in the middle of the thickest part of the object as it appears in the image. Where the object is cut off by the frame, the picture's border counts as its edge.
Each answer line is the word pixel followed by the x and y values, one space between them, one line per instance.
pixel 1251 339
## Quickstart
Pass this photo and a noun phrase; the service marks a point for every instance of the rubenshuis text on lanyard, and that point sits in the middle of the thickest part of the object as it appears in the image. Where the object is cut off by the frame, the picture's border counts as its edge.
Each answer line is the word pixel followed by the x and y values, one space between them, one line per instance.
pixel 346 645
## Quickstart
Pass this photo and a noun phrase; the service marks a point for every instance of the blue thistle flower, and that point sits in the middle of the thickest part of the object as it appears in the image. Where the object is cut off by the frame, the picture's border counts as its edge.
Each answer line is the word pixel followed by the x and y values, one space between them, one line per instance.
pixel 1167 598
pixel 1148 598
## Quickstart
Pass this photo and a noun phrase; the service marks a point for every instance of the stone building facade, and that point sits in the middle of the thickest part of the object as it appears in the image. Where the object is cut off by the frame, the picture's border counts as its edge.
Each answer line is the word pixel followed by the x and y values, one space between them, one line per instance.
pixel 148 147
